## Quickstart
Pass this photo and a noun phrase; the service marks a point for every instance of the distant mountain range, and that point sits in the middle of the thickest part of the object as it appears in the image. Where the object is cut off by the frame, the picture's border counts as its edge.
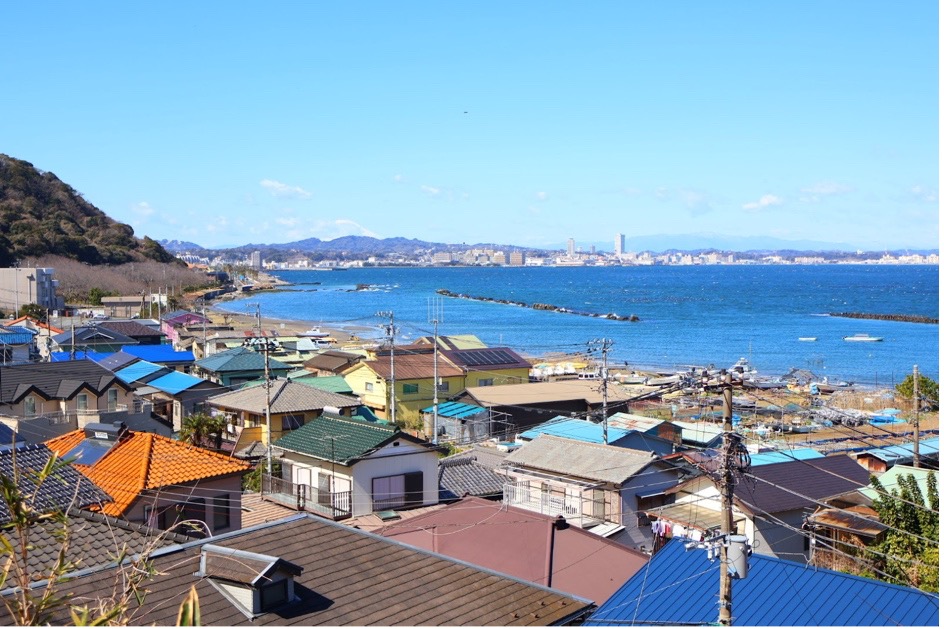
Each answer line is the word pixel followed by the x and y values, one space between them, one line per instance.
pixel 663 243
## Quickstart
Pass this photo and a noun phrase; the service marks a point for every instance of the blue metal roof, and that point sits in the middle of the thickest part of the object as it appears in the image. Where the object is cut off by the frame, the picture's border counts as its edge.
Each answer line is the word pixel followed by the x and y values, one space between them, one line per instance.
pixel 15 335
pixel 926 447
pixel 80 354
pixel 455 409
pixel 679 587
pixel 175 382
pixel 138 371
pixel 578 429
pixel 158 353
pixel 782 456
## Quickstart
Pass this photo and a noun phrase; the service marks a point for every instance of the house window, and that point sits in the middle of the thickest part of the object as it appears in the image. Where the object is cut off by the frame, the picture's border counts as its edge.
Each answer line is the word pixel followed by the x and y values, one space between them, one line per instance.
pixel 221 519
pixel 411 388
pixel 402 490
pixel 291 422
pixel 81 402
pixel 29 406
pixel 7 355
pixel 368 386
pixel 112 399
pixel 486 382
pixel 443 387
pixel 274 594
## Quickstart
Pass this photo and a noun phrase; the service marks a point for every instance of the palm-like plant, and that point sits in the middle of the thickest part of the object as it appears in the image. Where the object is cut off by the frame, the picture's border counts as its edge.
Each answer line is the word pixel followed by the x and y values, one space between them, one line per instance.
pixel 197 429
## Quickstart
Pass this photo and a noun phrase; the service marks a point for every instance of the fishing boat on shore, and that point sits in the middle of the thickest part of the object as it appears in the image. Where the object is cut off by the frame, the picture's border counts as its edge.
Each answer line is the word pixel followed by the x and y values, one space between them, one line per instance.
pixel 315 333
pixel 862 338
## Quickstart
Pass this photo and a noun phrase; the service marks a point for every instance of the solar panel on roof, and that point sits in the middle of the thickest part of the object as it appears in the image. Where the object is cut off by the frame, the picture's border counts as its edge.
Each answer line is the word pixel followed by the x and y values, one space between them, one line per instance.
pixel 488 357
pixel 89 451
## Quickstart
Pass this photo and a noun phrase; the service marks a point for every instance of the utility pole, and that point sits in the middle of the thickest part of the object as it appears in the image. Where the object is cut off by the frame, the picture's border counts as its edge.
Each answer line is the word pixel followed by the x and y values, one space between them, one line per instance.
pixel 732 549
pixel 391 335
pixel 435 309
pixel 727 496
pixel 604 345
pixel 916 460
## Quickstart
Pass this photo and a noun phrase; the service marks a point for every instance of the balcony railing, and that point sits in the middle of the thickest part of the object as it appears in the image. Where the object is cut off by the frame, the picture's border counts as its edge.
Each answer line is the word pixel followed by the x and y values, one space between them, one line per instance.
pixel 547 502
pixel 334 505
pixel 572 503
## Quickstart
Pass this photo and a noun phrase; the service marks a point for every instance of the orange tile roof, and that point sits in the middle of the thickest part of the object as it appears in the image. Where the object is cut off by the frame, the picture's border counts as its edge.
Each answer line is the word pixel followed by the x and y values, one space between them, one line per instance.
pixel 142 460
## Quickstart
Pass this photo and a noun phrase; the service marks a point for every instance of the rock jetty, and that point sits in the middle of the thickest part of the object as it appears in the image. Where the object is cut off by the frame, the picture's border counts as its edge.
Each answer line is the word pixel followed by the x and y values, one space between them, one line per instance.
pixel 538 306
pixel 884 317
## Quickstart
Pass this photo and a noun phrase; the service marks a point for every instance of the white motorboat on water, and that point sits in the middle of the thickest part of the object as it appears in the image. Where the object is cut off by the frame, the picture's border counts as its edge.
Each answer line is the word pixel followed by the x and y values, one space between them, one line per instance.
pixel 808 339
pixel 862 338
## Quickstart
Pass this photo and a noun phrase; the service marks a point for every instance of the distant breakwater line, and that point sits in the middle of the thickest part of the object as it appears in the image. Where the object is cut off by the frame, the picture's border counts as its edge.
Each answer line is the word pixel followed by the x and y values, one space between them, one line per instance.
pixel 884 317
pixel 537 306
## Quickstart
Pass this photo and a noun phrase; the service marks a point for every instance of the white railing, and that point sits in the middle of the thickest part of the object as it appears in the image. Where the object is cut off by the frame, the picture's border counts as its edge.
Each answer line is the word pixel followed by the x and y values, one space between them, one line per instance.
pixel 557 501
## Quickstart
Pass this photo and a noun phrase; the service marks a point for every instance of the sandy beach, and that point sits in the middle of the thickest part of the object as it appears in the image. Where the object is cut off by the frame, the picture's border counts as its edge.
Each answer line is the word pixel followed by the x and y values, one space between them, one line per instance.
pixel 246 322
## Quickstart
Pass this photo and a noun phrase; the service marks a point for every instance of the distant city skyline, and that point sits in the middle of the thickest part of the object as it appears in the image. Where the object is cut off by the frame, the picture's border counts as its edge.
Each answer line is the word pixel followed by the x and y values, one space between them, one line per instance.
pixel 524 124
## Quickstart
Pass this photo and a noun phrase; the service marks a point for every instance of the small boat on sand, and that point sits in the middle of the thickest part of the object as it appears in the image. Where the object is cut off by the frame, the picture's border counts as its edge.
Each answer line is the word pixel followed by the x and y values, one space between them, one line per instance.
pixel 315 333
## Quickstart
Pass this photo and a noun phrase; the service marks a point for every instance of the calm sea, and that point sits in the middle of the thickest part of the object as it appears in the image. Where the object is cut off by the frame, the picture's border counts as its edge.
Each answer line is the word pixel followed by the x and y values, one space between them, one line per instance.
pixel 697 315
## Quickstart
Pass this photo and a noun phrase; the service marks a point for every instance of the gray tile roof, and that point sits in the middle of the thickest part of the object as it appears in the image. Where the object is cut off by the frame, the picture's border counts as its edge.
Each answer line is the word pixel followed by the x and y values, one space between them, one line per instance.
pixel 462 475
pixel 56 380
pixel 349 578
pixel 64 488
pixel 94 540
pixel 285 396
pixel 592 461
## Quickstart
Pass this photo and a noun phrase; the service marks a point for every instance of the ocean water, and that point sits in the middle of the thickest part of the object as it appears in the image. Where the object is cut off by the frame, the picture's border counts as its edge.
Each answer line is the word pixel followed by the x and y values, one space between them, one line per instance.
pixel 697 315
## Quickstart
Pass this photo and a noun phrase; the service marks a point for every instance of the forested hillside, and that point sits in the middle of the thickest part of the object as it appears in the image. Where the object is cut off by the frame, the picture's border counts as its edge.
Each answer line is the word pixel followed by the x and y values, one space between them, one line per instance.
pixel 41 215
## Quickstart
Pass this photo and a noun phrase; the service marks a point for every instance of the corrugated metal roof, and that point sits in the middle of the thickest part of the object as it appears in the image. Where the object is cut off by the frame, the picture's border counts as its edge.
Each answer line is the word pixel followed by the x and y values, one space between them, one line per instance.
pixel 889 479
pixel 782 456
pixel 139 371
pixel 158 353
pixel 926 447
pixel 591 461
pixel 175 382
pixel 579 429
pixel 455 409
pixel 681 588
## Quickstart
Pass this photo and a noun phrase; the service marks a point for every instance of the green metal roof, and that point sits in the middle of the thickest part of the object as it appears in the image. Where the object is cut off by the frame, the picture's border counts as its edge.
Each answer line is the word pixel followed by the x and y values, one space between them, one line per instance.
pixel 240 359
pixel 339 439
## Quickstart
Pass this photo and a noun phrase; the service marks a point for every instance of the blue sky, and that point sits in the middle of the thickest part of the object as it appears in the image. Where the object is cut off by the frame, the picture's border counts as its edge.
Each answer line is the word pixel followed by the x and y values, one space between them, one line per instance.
pixel 522 123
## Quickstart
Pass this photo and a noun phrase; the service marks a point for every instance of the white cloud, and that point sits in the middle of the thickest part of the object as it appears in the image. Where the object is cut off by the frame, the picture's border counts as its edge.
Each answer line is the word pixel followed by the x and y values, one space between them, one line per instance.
pixel 143 209
pixel 921 193
pixel 541 196
pixel 287 221
pixel 431 191
pixel 279 189
pixel 399 179
pixel 813 193
pixel 824 188
pixel 768 200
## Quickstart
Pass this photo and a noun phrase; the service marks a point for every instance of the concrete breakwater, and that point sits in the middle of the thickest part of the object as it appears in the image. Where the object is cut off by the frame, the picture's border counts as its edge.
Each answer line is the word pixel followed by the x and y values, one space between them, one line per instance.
pixel 537 306
pixel 884 317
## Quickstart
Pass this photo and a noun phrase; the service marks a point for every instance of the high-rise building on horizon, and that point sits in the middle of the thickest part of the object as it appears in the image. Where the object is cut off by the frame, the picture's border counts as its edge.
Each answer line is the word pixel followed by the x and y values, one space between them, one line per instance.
pixel 571 248
pixel 619 248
